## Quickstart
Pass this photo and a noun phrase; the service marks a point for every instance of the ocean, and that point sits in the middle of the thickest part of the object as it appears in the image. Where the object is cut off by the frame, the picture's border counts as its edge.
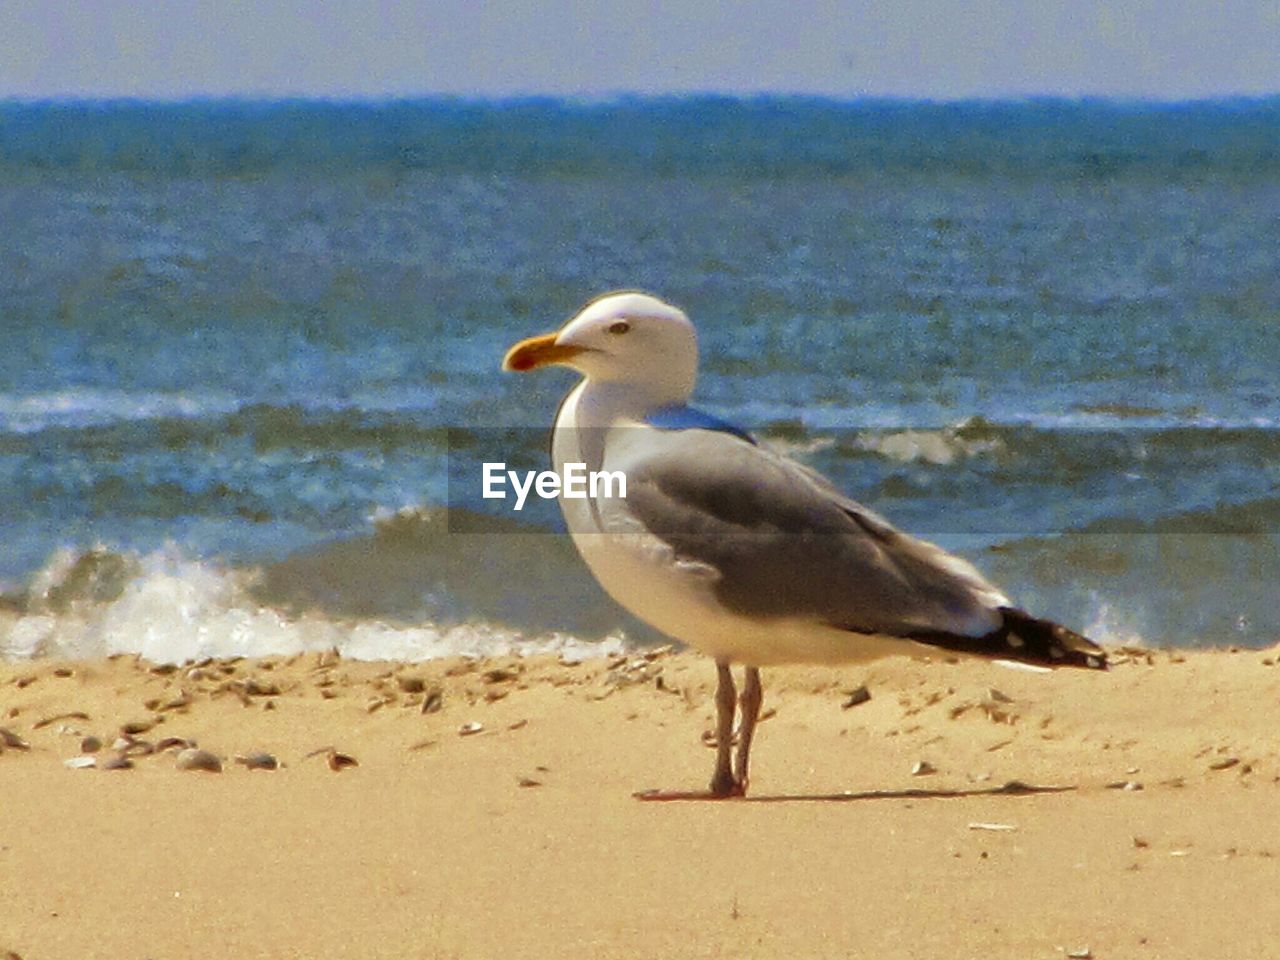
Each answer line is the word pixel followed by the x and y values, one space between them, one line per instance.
pixel 251 353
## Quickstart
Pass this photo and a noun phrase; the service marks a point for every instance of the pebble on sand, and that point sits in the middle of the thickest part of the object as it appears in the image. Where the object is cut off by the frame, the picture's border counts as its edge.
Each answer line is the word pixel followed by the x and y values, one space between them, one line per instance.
pixel 258 761
pixel 193 758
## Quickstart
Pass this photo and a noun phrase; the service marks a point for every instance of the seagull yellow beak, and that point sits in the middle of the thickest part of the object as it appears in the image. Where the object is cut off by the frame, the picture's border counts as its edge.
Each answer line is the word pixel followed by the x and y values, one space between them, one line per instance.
pixel 538 352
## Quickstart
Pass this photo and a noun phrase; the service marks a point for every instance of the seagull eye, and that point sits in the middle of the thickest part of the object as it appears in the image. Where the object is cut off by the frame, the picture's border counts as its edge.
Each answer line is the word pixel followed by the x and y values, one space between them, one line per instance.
pixel 620 327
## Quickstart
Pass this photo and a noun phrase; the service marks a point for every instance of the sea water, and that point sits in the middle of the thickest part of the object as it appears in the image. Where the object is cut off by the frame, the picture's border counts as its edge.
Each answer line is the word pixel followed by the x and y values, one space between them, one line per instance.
pixel 250 353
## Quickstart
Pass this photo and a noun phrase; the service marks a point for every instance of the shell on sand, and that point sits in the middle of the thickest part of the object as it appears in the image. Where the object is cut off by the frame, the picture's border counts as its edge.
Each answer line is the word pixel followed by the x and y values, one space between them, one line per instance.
pixel 339 760
pixel 856 697
pixel 69 715
pixel 433 702
pixel 10 739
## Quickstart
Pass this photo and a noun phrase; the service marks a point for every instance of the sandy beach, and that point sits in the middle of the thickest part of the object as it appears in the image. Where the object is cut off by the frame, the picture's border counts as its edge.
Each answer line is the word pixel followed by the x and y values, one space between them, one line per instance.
pixel 490 811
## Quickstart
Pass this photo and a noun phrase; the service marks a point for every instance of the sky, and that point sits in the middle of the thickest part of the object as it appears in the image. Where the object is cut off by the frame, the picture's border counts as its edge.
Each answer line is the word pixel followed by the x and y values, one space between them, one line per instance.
pixel 936 49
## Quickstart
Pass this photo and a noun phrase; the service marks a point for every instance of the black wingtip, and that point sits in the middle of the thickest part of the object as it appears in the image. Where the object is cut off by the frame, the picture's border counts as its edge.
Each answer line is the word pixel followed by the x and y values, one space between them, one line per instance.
pixel 1026 639
pixel 1031 640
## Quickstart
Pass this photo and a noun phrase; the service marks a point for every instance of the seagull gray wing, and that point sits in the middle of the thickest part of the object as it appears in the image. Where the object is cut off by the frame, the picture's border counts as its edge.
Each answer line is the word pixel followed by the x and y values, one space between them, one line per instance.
pixel 782 543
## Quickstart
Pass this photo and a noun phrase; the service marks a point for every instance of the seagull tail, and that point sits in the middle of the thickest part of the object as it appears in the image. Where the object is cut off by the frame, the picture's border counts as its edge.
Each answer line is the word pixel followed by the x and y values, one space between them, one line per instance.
pixel 1024 639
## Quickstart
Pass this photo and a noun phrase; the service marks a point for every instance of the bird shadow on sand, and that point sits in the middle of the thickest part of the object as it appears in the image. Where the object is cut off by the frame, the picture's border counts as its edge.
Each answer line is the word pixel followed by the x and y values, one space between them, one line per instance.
pixel 1013 788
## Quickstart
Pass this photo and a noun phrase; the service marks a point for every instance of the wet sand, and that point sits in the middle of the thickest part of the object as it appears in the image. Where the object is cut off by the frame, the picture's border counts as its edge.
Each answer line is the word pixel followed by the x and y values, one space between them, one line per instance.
pixel 522 838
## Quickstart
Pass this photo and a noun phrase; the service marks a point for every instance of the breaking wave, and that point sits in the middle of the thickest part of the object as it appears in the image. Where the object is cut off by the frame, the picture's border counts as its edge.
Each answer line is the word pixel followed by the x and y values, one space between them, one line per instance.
pixel 170 608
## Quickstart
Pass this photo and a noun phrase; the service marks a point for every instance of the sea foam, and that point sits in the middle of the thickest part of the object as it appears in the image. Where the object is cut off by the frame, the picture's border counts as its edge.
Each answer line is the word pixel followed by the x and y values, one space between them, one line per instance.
pixel 170 608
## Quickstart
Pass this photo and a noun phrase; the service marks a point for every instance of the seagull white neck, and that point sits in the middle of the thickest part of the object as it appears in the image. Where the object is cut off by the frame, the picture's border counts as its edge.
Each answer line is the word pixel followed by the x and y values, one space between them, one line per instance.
pixel 600 404
pixel 590 409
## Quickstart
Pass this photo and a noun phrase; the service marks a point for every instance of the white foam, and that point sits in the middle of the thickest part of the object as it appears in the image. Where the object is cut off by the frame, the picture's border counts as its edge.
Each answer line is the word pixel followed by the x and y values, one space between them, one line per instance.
pixel 174 609
pixel 91 407
pixel 84 407
pixel 938 447
pixel 1111 628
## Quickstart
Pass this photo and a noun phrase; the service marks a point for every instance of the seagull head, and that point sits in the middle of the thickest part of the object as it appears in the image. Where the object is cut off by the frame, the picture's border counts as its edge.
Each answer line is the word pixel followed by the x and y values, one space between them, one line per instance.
pixel 631 339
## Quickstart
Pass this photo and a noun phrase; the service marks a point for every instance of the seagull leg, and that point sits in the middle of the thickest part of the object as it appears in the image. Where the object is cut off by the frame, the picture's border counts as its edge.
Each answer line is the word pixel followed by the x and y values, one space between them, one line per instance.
pixel 722 781
pixel 751 698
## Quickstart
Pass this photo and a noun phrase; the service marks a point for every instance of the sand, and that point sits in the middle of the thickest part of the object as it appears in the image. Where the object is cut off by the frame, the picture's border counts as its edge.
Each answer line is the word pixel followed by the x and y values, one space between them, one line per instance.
pixel 523 839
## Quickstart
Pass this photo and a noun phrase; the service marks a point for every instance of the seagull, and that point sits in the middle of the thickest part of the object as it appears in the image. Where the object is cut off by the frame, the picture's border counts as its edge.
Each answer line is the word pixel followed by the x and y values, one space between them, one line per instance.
pixel 738 551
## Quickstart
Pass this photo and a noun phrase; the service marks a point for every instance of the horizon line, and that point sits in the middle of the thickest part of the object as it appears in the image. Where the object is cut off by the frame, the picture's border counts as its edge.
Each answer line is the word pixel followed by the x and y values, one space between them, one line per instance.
pixel 629 97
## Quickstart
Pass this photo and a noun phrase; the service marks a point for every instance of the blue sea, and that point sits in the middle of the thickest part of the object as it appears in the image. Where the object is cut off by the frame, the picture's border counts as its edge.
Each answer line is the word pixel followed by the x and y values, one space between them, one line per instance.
pixel 250 348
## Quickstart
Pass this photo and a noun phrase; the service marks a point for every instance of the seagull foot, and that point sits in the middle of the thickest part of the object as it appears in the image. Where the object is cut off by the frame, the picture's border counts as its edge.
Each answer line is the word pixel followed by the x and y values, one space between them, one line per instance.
pixel 730 791
pixel 685 795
